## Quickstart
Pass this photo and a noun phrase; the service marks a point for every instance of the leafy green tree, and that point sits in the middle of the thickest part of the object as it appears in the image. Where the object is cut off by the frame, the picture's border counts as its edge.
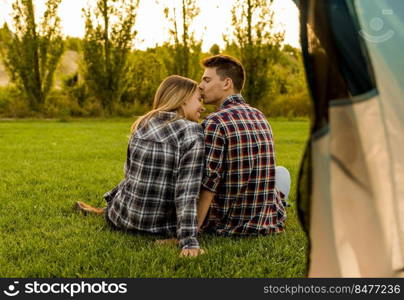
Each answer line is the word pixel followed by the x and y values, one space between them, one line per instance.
pixel 289 96
pixel 289 72
pixel 108 39
pixel 148 72
pixel 184 48
pixel 73 43
pixel 4 35
pixel 32 51
pixel 256 44
pixel 214 50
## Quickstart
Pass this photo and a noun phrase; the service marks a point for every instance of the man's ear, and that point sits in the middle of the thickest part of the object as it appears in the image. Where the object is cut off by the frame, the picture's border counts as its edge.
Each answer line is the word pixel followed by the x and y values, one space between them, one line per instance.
pixel 228 84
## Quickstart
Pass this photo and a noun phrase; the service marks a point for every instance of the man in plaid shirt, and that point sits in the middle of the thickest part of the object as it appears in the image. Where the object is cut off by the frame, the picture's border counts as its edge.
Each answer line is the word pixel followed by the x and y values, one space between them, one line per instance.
pixel 238 194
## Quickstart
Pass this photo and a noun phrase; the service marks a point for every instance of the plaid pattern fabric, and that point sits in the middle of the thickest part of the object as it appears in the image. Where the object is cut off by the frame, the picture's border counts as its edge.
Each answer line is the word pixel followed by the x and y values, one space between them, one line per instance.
pixel 163 174
pixel 240 169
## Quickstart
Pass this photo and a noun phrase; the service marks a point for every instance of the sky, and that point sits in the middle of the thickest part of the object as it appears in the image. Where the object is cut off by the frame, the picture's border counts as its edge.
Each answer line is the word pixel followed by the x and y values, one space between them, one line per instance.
pixel 213 21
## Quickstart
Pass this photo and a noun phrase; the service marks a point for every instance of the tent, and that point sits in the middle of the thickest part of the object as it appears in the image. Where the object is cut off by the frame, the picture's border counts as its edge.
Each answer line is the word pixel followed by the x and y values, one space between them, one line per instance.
pixel 351 181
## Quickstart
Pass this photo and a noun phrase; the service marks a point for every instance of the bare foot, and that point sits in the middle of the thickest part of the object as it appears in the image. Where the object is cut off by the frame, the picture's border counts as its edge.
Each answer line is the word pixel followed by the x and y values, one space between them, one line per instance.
pixel 191 252
pixel 88 209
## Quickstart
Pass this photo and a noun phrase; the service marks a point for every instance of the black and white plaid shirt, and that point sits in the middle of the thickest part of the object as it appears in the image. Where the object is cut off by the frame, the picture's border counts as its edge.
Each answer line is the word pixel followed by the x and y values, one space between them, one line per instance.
pixel 163 174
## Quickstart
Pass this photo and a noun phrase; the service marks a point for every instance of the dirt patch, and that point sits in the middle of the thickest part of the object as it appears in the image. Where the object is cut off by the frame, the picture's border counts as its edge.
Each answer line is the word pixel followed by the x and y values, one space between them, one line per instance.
pixel 69 64
pixel 4 79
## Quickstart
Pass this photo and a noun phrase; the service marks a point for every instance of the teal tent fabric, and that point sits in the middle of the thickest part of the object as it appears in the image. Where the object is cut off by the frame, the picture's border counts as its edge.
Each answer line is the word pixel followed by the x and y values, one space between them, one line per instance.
pixel 350 191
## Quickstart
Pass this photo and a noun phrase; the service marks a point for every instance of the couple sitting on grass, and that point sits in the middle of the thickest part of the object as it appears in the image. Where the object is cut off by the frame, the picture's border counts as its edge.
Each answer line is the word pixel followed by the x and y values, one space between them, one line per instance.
pixel 182 178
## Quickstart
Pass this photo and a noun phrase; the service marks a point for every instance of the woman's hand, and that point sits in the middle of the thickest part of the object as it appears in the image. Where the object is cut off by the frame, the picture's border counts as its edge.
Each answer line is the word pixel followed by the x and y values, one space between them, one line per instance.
pixel 184 252
pixel 192 252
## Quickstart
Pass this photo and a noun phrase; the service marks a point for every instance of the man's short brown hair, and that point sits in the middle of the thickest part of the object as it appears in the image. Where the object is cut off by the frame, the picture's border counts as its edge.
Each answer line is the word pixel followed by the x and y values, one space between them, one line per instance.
pixel 227 67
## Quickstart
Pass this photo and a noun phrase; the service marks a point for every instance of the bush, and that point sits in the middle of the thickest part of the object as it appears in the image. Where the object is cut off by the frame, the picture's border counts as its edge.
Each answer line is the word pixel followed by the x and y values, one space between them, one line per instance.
pixel 76 91
pixel 132 109
pixel 7 96
pixel 60 105
pixel 13 104
pixel 287 105
pixel 92 107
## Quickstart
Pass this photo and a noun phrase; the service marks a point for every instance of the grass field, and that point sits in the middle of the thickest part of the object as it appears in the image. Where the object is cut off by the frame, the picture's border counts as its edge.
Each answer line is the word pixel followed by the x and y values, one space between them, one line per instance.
pixel 45 166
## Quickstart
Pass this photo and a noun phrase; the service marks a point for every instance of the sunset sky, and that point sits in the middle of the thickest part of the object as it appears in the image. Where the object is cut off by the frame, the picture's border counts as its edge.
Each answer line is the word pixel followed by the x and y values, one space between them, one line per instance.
pixel 213 21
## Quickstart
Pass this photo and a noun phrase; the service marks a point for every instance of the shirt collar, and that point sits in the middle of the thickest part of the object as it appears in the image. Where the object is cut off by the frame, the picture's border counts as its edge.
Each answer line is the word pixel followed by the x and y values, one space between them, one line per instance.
pixel 166 115
pixel 235 99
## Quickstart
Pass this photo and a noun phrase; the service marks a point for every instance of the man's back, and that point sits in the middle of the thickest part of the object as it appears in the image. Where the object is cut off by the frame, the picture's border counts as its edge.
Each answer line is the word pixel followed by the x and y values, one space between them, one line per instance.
pixel 240 169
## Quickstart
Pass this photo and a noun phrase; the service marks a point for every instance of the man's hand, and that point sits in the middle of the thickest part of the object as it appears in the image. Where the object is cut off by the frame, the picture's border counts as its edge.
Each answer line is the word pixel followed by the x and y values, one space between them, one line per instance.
pixel 191 252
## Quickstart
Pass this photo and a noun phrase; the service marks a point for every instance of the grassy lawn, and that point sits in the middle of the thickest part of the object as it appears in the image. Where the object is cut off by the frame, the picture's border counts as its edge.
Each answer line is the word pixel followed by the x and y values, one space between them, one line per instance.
pixel 45 166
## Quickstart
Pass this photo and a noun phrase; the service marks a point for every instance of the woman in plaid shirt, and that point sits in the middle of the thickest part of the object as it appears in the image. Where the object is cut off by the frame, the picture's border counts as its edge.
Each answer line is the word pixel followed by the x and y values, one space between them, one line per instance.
pixel 163 170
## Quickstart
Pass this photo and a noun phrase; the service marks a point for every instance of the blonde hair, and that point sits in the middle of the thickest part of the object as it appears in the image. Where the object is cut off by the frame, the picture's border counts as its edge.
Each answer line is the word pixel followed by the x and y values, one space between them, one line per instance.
pixel 170 95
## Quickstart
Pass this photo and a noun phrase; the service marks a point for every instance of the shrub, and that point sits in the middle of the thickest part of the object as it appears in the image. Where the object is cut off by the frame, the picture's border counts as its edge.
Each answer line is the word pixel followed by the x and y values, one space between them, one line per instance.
pixel 13 104
pixel 92 108
pixel 287 105
pixel 60 105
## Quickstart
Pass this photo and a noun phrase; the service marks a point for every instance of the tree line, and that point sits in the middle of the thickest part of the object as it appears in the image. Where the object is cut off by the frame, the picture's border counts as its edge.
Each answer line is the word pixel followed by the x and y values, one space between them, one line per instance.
pixel 113 78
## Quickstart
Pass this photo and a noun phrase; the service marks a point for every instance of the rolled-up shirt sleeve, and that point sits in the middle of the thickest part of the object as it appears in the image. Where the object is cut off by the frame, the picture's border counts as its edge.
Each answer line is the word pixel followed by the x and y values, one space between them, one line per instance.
pixel 188 185
pixel 215 144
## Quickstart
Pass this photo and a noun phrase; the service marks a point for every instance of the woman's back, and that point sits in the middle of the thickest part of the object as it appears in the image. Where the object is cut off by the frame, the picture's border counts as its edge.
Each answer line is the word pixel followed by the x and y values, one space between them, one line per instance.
pixel 163 173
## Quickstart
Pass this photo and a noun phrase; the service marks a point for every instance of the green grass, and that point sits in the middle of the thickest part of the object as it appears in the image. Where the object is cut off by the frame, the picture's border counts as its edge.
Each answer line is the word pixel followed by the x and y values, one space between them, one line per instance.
pixel 45 166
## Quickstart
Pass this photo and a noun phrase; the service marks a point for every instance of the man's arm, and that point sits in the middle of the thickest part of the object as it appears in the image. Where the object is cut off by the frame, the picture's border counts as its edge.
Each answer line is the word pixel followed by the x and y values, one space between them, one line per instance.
pixel 214 155
pixel 205 199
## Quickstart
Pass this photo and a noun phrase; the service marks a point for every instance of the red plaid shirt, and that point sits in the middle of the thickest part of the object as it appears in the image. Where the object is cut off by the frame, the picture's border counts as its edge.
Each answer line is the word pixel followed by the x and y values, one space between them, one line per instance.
pixel 240 169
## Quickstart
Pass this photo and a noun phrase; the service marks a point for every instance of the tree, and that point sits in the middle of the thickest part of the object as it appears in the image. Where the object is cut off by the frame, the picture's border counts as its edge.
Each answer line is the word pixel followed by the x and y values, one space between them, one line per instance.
pixel 73 43
pixel 256 44
pixel 148 72
pixel 185 49
pixel 4 35
pixel 214 50
pixel 109 34
pixel 32 51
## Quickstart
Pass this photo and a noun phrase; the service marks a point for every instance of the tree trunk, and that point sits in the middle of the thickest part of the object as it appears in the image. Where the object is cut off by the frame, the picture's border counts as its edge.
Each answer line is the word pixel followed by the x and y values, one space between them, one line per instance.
pixel 37 100
pixel 106 101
